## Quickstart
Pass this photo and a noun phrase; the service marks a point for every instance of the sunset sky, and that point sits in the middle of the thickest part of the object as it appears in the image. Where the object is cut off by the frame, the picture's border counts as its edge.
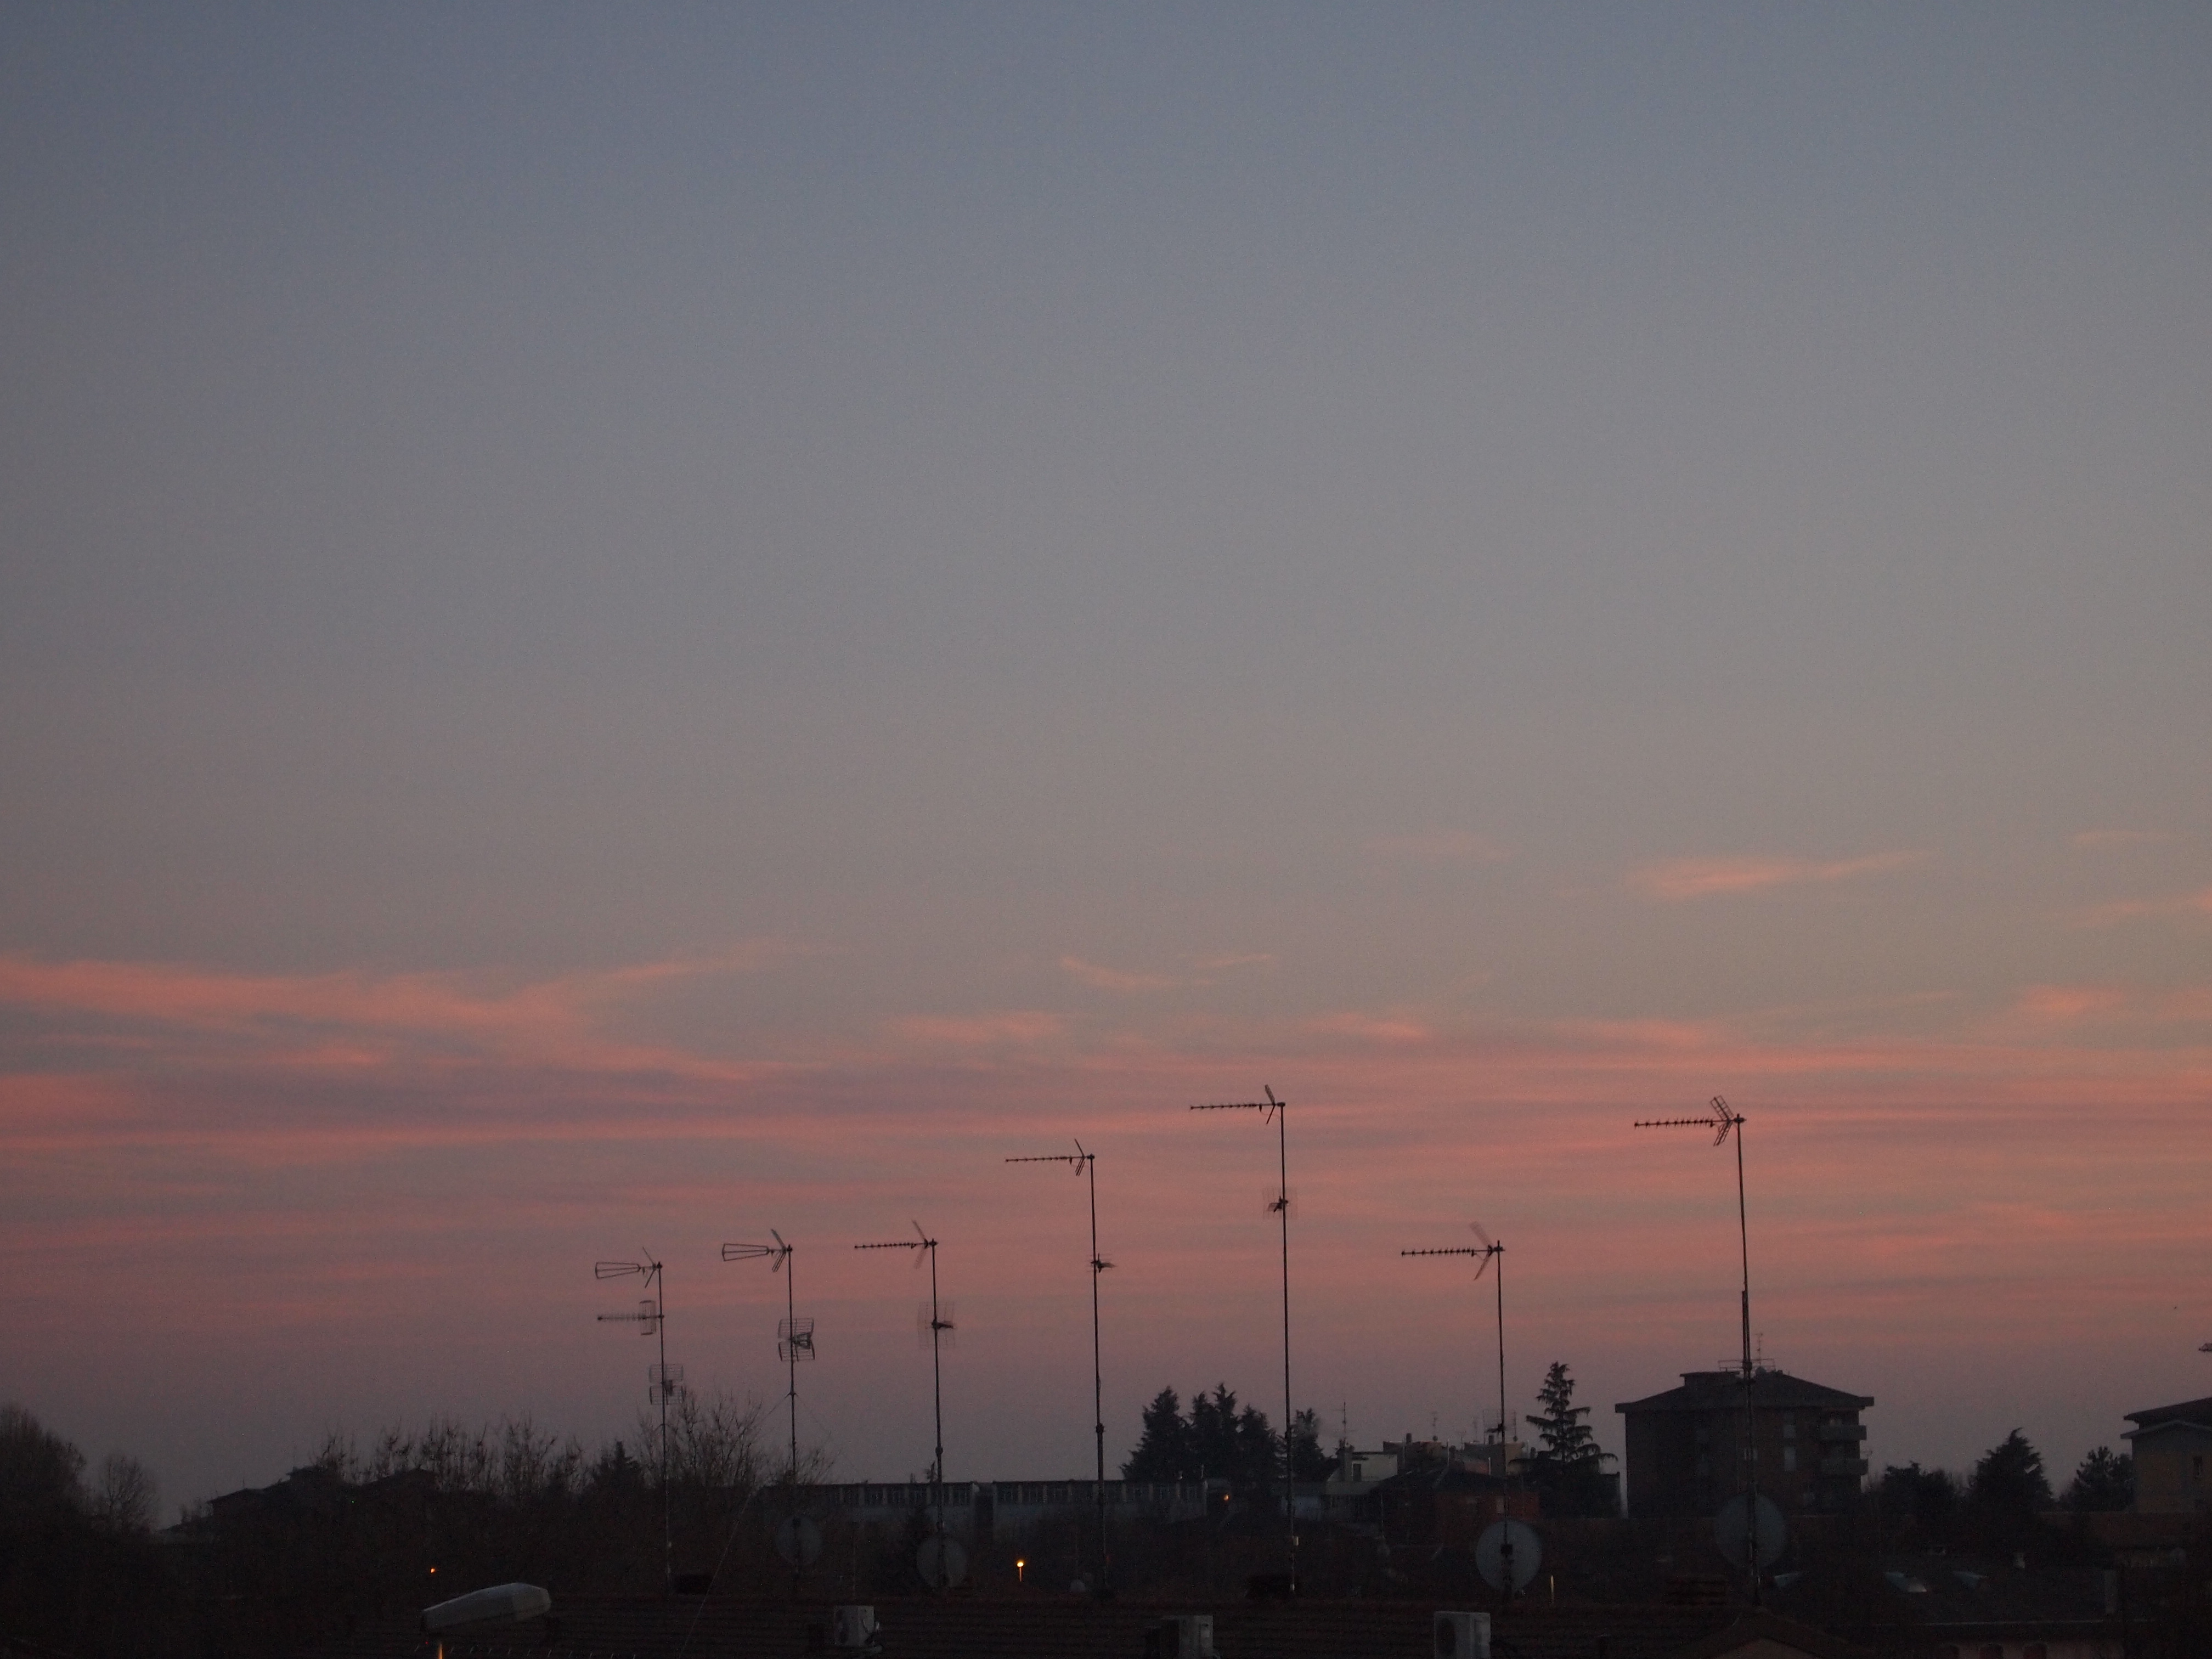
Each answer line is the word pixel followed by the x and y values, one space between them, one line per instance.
pixel 620 626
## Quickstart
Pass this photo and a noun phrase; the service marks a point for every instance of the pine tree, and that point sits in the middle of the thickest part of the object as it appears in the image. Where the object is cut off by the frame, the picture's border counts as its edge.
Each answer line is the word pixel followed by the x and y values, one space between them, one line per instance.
pixel 1308 1462
pixel 2104 1481
pixel 1568 1467
pixel 1162 1451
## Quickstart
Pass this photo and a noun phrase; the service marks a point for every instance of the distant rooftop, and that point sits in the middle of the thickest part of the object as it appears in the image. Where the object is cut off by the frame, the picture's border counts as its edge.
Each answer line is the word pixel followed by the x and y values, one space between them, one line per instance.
pixel 1770 1390
pixel 2195 1412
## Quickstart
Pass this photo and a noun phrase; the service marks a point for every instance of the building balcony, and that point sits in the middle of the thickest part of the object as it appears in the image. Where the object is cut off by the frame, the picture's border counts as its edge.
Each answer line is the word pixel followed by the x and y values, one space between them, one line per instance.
pixel 1843 1465
pixel 1840 1431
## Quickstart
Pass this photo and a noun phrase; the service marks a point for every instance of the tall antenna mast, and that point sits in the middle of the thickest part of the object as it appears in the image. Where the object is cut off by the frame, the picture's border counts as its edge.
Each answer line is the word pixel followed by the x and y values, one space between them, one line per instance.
pixel 795 1336
pixel 940 1321
pixel 652 1316
pixel 1720 1118
pixel 1086 1163
pixel 1278 1111
pixel 1490 1251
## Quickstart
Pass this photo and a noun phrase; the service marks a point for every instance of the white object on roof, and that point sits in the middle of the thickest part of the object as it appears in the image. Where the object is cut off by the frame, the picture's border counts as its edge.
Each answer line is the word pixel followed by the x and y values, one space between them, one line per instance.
pixel 503 1603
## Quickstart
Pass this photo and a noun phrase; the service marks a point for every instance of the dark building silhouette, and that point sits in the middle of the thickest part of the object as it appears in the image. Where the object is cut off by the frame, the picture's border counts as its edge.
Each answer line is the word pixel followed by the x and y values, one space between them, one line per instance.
pixel 1686 1452
pixel 2172 1445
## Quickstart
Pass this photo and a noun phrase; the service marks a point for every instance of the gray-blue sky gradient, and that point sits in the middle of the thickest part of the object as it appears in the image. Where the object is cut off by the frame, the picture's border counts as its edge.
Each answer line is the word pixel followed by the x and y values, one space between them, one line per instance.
pixel 1137 530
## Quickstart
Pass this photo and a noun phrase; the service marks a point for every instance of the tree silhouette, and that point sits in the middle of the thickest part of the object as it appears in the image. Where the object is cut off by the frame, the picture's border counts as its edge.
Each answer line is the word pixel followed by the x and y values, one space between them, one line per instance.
pixel 1567 1467
pixel 2007 1491
pixel 1162 1449
pixel 2105 1480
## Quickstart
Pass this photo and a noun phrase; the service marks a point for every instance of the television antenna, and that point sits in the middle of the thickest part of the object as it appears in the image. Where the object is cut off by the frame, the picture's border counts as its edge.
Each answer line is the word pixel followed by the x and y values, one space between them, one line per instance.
pixel 652 1319
pixel 1278 1112
pixel 1721 1119
pixel 1492 1252
pixel 794 1336
pixel 939 1325
pixel 1085 1164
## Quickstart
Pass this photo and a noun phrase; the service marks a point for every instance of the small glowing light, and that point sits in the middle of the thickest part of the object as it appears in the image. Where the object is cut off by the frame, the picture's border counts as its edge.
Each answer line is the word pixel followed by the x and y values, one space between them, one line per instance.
pixel 1019 1564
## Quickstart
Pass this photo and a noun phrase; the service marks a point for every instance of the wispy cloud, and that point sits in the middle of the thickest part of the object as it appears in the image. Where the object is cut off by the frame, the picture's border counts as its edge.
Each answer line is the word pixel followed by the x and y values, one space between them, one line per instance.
pixel 2198 903
pixel 2101 839
pixel 1203 970
pixel 2065 1003
pixel 1114 979
pixel 1673 880
pixel 1440 847
pixel 1010 1027
pixel 355 1018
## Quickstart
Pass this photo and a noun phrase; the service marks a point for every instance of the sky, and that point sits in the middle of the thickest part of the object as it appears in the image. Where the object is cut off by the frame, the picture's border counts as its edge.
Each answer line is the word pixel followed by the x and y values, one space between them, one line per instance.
pixel 624 627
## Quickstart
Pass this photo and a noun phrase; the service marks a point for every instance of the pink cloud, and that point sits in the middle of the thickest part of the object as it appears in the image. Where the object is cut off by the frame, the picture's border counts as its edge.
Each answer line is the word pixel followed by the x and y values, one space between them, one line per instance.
pixel 2120 910
pixel 1012 1028
pixel 2069 1002
pixel 1676 879
pixel 2103 839
pixel 1112 979
pixel 1440 847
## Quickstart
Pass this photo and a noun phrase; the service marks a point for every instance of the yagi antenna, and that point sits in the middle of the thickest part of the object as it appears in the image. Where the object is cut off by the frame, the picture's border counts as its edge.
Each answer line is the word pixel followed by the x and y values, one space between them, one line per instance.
pixel 938 1325
pixel 1277 1112
pixel 1490 1250
pixel 794 1335
pixel 651 1318
pixel 1086 1163
pixel 1721 1118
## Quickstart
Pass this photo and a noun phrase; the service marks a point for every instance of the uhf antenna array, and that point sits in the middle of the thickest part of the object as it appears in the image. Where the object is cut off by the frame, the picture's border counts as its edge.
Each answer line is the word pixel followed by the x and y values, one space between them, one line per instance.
pixel 1086 1165
pixel 794 1335
pixel 939 1325
pixel 1278 1112
pixel 1490 1250
pixel 1721 1119
pixel 652 1317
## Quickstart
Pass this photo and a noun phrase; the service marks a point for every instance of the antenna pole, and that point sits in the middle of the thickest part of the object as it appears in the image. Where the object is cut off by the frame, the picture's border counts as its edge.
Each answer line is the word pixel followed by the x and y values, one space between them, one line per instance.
pixel 1750 1419
pixel 1283 1209
pixel 1086 1165
pixel 791 1357
pixel 1492 1252
pixel 660 1330
pixel 1501 1363
pixel 1097 1379
pixel 936 1385
pixel 1279 1110
pixel 1721 1119
pixel 653 1312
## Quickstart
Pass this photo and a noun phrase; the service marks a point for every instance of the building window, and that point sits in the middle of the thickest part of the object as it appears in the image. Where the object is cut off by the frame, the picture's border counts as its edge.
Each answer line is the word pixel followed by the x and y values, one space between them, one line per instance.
pixel 1705 1466
pixel 2035 1650
pixel 1788 1426
pixel 1789 1460
pixel 2197 1467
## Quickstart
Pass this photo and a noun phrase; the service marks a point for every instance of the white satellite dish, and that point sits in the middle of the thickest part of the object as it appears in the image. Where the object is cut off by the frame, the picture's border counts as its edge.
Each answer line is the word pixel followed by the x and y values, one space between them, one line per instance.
pixel 1508 1554
pixel 941 1561
pixel 797 1540
pixel 1730 1532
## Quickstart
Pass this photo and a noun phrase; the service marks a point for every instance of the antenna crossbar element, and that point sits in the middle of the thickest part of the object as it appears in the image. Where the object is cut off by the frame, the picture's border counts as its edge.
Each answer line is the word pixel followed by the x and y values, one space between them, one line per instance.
pixel 1086 1163
pixel 793 1343
pixel 1275 1111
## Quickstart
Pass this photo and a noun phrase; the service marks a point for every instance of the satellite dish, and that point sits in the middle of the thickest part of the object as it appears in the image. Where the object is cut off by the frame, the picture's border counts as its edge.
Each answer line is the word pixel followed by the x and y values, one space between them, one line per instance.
pixel 1730 1532
pixel 1508 1554
pixel 797 1540
pixel 941 1561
